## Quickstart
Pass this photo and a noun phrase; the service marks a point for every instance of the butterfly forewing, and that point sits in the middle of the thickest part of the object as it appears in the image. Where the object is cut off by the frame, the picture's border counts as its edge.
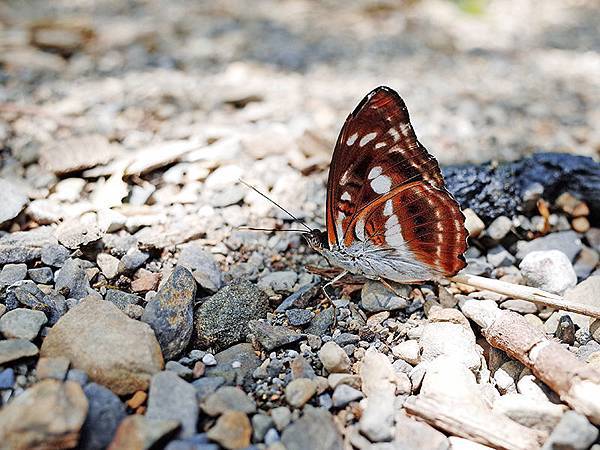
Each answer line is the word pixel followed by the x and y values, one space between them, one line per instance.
pixel 387 191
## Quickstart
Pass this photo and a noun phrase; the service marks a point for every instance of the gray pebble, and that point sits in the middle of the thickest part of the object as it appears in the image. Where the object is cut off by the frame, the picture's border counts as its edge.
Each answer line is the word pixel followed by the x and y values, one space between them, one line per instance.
pixel 42 275
pixel 299 317
pixel 55 255
pixel 11 273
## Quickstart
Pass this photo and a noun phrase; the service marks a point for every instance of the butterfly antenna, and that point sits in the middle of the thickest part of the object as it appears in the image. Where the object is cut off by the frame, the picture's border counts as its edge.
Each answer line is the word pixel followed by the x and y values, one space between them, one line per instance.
pixel 276 204
pixel 269 229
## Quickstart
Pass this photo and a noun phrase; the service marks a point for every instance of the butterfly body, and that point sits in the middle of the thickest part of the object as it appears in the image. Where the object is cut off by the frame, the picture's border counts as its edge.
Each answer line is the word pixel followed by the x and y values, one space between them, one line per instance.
pixel 388 213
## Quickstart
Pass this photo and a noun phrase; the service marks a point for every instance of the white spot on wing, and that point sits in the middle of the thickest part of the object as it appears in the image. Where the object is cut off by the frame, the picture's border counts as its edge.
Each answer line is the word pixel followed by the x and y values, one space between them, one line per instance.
pixel 388 209
pixel 338 224
pixel 405 128
pixel 352 139
pixel 394 133
pixel 359 229
pixel 393 232
pixel 346 196
pixel 344 177
pixel 374 172
pixel 367 138
pixel 380 144
pixel 381 184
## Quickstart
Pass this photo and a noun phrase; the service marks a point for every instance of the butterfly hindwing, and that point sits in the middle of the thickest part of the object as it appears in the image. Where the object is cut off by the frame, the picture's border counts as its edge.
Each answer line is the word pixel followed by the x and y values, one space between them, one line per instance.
pixel 384 188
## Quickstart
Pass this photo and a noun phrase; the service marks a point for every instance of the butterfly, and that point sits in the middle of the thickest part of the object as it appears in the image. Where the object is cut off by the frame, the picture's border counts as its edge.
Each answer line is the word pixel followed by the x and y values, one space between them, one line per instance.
pixel 389 215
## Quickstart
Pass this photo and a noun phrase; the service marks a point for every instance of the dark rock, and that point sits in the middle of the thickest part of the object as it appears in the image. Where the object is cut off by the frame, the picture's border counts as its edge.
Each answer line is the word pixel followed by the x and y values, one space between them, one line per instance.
pixel 203 266
pixel 299 317
pixel 55 255
pixel 235 364
pixel 206 386
pixel 346 338
pixel 54 306
pixel 170 312
pixel 122 299
pixel 171 398
pixel 11 273
pixel 7 378
pixel 43 275
pixel 72 281
pixel 376 297
pixel 301 298
pixel 24 246
pixel 315 430
pixel 322 322
pixel 272 337
pixel 133 260
pixel 179 369
pixel 105 413
pixel 565 331
pixel 222 320
pixel 345 394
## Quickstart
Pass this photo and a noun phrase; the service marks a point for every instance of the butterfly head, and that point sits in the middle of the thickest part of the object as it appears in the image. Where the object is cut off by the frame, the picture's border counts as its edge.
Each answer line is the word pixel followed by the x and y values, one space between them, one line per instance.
pixel 316 239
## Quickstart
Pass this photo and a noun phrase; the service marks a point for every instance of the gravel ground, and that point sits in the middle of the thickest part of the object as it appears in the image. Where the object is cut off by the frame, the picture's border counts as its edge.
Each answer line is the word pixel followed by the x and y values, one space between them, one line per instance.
pixel 135 313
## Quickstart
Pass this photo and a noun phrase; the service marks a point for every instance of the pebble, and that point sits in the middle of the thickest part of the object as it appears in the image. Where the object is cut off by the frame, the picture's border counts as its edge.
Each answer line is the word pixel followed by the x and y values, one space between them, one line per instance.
pixel 75 233
pixel 282 416
pixel 344 394
pixel 232 430
pixel 499 257
pixel 334 358
pixel 271 437
pixel 549 270
pixel 300 391
pixel 314 430
pixel 376 297
pixel 53 368
pixel 13 199
pixel 228 398
pixel 178 368
pixel 573 432
pixel 23 246
pixel 171 398
pixel 222 319
pixel 42 275
pixel 587 261
pixel 137 400
pixel 206 386
pixel 473 223
pixel 203 266
pixel 7 378
pixel 22 323
pixel 72 280
pixel 408 351
pixel 108 264
pixel 499 228
pixel 520 306
pixel 299 299
pixel 209 360
pixel 261 423
pixel 272 337
pixel 11 273
pixel 15 349
pixel 567 242
pixel 105 412
pixel 418 435
pixel 145 281
pixel 55 255
pixel 539 415
pixel 299 317
pixel 301 368
pixel 244 355
pixel 321 323
pixel 565 330
pixel 282 281
pixel 137 432
pixel 122 299
pixel 49 412
pixel 170 313
pixel 445 338
pixel 132 260
pixel 122 360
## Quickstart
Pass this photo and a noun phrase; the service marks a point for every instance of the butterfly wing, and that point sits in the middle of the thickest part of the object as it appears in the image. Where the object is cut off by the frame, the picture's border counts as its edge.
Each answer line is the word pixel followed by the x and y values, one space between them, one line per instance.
pixel 386 195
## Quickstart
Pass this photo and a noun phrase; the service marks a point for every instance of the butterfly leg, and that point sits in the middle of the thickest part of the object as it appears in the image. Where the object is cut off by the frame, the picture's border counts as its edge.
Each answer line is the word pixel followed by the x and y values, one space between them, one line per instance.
pixel 330 283
pixel 389 286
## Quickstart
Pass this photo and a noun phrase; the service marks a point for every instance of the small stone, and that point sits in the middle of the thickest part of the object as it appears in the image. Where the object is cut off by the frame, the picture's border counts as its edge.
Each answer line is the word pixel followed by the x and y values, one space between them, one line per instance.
pixel 580 224
pixel 499 228
pixel 55 255
pixel 43 275
pixel 499 257
pixel 261 423
pixel 145 281
pixel 7 378
pixel 206 386
pixel 301 368
pixel 105 413
pixel 408 351
pixel 567 242
pixel 137 432
pixel 520 306
pixel 22 323
pixel 170 312
pixel 132 260
pixel 13 199
pixel 137 400
pixel 199 369
pixel 272 337
pixel 375 296
pixel 315 430
pixel 278 281
pixel 171 398
pixel 232 430
pixel 15 349
pixel 72 281
pixel 209 360
pixel 586 262
pixel 203 266
pixel 300 391
pixel 473 223
pixel 222 320
pixel 122 299
pixel 417 435
pixel 228 398
pixel 53 368
pixel 75 233
pixel 549 270
pixel 539 415
pixel 123 359
pixel 109 265
pixel 321 323
pixel 178 368
pixel 11 273
pixel 23 246
pixel 49 412
pixel 299 317
pixel 78 376
pixel 445 338
pixel 242 354
pixel 299 299
pixel 565 331
pixel 573 432
pixel 345 394
pixel 334 358
pixel 282 416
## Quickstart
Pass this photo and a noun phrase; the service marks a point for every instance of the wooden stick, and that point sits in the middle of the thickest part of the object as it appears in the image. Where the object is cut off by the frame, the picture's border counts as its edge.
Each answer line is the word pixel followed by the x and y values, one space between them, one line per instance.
pixel 531 294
